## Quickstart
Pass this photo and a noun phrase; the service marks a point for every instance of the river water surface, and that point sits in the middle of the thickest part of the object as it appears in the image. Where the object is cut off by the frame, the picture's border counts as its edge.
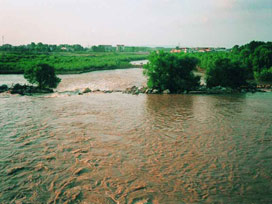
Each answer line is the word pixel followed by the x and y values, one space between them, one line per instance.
pixel 117 148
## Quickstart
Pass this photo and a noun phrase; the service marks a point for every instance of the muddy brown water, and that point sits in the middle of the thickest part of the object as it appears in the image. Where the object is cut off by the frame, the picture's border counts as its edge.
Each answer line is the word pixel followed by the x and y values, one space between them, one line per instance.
pixel 147 149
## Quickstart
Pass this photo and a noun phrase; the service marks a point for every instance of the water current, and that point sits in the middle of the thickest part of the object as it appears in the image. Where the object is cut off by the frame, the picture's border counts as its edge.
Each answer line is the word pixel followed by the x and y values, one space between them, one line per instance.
pixel 148 149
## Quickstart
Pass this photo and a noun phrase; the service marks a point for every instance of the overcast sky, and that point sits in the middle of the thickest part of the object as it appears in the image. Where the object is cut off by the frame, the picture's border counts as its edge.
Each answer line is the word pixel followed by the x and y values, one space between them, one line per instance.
pixel 136 22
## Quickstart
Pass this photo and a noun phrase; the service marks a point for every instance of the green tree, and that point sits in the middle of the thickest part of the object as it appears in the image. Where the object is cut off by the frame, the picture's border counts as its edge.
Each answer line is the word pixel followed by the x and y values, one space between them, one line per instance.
pixel 43 75
pixel 262 58
pixel 264 76
pixel 226 73
pixel 77 47
pixel 235 49
pixel 171 71
pixel 253 45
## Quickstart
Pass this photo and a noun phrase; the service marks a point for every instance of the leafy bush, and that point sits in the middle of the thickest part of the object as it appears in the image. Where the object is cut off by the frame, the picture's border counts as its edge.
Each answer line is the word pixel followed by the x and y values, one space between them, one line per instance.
pixel 3 88
pixel 171 71
pixel 206 59
pixel 254 56
pixel 226 73
pixel 43 75
pixel 262 58
pixel 264 76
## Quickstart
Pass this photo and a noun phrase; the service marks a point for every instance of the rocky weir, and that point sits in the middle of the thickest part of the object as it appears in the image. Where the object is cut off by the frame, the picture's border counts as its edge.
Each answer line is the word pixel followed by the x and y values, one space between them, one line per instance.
pixel 134 90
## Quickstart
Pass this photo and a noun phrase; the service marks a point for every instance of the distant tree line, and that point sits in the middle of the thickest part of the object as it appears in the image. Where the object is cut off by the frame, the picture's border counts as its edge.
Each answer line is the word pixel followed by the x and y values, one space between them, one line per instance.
pixel 40 47
pixel 105 48
pixel 45 48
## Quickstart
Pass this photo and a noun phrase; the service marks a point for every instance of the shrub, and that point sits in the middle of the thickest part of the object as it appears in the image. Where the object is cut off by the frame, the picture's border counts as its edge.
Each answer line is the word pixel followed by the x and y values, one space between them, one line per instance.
pixel 43 75
pixel 171 71
pixel 264 76
pixel 226 73
pixel 3 88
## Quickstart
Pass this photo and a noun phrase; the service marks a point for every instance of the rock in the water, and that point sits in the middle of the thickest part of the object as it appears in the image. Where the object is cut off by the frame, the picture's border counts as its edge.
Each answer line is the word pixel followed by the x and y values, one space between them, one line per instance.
pixel 108 91
pixel 87 90
pixel 197 92
pixel 148 91
pixel 243 91
pixel 3 88
pixel 167 91
pixel 155 91
pixel 142 89
pixel 42 90
pixel 133 90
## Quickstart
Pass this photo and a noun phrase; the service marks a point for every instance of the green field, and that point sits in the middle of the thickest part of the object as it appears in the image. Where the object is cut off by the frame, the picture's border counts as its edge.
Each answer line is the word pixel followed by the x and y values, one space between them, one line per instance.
pixel 66 62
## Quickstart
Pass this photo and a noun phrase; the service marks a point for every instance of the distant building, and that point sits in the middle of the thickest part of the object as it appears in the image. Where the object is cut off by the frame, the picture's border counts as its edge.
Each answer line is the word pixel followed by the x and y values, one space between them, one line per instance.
pixel 203 49
pixel 63 48
pixel 198 49
pixel 120 48
pixel 175 51
pixel 179 50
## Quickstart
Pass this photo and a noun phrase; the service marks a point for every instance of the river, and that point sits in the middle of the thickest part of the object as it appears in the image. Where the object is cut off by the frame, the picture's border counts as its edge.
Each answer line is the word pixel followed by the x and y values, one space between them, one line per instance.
pixel 148 149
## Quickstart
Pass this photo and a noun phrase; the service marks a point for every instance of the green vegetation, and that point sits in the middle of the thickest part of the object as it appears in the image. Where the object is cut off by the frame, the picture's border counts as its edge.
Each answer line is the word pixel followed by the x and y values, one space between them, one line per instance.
pixel 66 62
pixel 226 73
pixel 40 47
pixel 171 71
pixel 207 59
pixel 45 48
pixel 234 69
pixel 255 58
pixel 264 76
pixel 43 75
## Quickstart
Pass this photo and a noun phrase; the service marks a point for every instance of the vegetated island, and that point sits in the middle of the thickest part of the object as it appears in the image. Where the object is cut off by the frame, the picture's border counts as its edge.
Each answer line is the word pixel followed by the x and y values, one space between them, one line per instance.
pixel 41 75
pixel 243 68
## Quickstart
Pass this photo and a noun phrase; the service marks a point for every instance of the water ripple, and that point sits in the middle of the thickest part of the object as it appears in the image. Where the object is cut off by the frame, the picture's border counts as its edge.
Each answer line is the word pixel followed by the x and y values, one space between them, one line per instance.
pixel 118 148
